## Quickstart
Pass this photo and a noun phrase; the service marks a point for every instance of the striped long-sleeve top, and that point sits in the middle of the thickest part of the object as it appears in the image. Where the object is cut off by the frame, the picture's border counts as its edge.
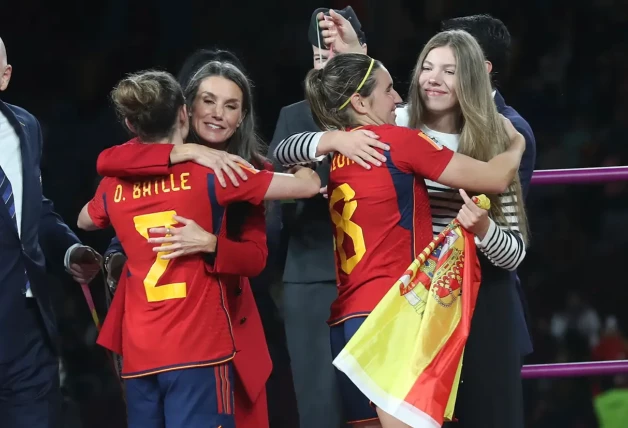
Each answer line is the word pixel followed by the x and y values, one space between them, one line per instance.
pixel 503 244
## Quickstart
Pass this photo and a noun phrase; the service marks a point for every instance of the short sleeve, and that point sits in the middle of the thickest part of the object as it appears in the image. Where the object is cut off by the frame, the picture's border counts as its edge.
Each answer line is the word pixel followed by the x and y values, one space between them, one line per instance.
pixel 416 153
pixel 252 190
pixel 97 207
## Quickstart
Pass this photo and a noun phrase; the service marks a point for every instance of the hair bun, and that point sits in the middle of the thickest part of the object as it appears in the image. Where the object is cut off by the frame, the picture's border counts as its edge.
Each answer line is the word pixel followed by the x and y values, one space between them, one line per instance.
pixel 136 95
pixel 148 103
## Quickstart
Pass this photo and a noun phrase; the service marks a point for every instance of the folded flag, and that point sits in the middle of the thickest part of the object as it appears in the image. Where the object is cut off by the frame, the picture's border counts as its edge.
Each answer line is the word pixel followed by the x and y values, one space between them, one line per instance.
pixel 407 355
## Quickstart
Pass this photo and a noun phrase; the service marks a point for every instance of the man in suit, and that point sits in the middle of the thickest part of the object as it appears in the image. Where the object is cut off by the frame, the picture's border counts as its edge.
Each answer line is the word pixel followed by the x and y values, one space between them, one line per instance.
pixel 309 277
pixel 29 367
pixel 494 39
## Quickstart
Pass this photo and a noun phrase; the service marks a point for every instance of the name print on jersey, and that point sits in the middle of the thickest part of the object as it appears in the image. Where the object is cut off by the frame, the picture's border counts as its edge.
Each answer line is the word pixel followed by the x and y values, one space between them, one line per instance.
pixel 143 189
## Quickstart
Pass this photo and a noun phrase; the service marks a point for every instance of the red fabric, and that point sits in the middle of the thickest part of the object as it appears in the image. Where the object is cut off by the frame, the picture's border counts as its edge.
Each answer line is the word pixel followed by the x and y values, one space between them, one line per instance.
pixel 250 247
pixel 252 362
pixel 432 389
pixel 249 415
pixel 188 327
pixel 381 217
pixel 110 335
pixel 134 158
pixel 610 347
pixel 146 159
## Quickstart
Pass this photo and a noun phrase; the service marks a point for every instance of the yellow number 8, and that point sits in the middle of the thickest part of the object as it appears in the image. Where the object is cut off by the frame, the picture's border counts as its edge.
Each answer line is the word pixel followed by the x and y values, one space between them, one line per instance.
pixel 346 227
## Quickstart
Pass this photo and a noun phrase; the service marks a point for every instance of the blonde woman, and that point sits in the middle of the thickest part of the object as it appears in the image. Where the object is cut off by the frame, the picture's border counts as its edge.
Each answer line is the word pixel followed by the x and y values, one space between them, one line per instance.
pixel 450 101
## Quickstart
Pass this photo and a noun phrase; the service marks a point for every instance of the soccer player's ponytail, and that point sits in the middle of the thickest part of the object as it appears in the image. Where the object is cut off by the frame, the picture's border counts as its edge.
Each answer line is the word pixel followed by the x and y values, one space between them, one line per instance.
pixel 316 97
pixel 148 103
pixel 329 90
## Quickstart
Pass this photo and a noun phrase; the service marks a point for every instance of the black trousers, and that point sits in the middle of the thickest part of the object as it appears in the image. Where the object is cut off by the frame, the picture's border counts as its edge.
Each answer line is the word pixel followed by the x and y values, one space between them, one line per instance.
pixel 29 385
pixel 490 393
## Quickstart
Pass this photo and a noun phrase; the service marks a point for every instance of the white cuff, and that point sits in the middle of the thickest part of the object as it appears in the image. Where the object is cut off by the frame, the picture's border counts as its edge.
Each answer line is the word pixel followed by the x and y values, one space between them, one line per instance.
pixel 314 146
pixel 68 253
pixel 492 228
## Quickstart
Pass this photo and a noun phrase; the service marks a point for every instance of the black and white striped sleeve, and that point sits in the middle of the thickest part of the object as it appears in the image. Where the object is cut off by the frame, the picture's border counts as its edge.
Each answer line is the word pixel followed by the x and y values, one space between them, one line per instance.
pixel 503 244
pixel 299 149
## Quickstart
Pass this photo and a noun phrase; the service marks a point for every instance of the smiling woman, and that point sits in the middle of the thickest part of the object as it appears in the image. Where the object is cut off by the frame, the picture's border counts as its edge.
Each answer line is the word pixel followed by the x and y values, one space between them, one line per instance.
pixel 183 269
pixel 217 110
pixel 382 216
pixel 220 109
pixel 440 94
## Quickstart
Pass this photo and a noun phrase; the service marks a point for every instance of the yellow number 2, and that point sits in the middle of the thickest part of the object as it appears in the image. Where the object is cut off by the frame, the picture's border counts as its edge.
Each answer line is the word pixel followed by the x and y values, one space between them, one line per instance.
pixel 176 290
pixel 346 227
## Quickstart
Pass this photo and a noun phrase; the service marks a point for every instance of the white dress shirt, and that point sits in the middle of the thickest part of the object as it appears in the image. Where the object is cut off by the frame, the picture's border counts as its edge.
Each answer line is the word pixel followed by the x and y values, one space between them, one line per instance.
pixel 11 163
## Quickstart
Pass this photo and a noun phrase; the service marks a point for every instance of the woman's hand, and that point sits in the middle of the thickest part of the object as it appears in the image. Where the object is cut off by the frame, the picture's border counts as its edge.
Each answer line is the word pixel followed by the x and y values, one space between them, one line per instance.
pixel 517 140
pixel 218 160
pixel 473 218
pixel 359 146
pixel 183 241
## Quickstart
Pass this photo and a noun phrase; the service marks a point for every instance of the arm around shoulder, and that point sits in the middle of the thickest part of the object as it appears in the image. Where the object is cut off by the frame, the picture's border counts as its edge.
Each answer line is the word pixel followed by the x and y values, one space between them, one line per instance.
pixel 494 176
pixel 135 158
pixel 304 183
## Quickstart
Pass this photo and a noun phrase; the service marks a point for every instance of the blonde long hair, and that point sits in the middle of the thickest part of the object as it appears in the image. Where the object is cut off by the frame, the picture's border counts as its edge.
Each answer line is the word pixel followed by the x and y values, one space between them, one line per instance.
pixel 482 134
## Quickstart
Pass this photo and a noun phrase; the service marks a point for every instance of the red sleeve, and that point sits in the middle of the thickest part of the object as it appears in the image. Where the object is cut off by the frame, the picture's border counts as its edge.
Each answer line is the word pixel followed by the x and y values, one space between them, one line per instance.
pixel 251 247
pixel 252 190
pixel 133 159
pixel 417 153
pixel 97 207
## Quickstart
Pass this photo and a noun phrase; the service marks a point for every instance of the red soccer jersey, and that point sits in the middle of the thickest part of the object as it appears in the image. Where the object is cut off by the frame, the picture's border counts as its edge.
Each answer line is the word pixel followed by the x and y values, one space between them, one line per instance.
pixel 175 310
pixel 381 217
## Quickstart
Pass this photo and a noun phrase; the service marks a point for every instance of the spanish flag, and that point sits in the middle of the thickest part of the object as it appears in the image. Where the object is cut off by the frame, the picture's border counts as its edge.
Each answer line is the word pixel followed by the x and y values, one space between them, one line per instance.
pixel 407 355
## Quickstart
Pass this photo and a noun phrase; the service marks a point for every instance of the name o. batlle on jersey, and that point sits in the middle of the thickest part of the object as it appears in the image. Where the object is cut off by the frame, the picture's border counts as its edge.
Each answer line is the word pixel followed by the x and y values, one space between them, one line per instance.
pixel 143 189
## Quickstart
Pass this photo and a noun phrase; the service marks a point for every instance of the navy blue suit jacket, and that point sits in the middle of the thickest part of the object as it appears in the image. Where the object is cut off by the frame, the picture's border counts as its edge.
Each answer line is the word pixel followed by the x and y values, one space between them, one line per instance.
pixel 40 224
pixel 526 169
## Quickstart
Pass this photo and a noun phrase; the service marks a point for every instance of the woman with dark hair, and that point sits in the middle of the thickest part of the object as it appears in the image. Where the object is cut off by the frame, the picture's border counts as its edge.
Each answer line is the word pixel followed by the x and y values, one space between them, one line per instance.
pixel 201 57
pixel 219 101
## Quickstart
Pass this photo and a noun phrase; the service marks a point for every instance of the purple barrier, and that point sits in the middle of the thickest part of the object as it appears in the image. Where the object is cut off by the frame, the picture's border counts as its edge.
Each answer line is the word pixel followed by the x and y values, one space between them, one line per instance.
pixel 599 368
pixel 580 175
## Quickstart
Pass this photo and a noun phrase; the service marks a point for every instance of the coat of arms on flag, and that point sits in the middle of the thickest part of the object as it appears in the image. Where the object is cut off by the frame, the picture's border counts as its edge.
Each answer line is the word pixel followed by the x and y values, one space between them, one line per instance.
pixel 407 355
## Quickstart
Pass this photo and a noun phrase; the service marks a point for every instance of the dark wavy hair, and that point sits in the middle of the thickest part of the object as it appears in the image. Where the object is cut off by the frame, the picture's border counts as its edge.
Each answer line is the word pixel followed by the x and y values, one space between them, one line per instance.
pixel 244 142
pixel 201 57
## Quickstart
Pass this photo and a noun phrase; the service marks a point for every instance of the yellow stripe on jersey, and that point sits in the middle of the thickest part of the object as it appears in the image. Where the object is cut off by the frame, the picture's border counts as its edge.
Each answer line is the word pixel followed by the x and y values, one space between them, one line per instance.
pixel 429 140
pixel 247 168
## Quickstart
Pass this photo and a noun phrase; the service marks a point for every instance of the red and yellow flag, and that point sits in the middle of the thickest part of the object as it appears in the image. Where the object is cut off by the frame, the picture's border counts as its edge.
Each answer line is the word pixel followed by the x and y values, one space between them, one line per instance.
pixel 407 355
